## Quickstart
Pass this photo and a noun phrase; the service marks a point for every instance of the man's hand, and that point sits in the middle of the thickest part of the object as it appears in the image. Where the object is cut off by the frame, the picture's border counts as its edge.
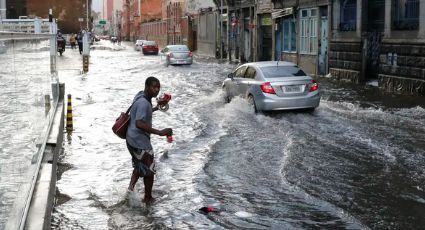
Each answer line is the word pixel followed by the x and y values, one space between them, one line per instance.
pixel 166 132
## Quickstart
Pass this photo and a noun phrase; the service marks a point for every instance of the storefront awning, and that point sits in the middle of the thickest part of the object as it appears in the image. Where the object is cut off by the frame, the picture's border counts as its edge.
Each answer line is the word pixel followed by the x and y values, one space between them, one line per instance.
pixel 264 11
pixel 282 13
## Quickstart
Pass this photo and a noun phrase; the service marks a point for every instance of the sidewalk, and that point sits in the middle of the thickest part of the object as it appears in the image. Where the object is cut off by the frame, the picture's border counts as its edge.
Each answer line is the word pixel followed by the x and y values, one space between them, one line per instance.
pixel 208 59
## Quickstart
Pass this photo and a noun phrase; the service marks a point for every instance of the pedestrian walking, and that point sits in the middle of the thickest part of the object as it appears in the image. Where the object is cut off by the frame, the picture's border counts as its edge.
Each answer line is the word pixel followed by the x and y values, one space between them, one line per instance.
pixel 138 137
pixel 72 41
pixel 80 41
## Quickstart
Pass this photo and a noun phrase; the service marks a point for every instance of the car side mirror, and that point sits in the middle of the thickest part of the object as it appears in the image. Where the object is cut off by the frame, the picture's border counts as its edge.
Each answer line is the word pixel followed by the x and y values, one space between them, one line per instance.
pixel 231 75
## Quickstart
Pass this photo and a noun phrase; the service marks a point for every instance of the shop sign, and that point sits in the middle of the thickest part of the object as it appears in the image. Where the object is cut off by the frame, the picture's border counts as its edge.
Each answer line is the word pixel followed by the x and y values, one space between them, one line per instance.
pixel 266 20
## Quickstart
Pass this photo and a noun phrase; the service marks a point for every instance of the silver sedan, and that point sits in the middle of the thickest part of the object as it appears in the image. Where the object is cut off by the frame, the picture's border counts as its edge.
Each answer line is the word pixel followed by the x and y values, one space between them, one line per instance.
pixel 273 85
pixel 177 55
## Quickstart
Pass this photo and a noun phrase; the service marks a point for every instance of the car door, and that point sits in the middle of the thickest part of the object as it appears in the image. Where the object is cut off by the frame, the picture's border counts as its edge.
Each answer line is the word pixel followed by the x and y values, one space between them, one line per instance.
pixel 232 86
pixel 247 80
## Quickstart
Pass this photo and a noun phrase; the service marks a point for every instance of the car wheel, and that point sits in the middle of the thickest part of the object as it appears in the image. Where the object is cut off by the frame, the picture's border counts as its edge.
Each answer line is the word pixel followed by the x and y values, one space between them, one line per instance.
pixel 310 110
pixel 251 101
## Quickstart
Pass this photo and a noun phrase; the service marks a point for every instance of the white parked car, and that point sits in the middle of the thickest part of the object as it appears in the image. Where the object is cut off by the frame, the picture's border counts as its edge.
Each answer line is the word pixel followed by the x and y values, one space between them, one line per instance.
pixel 177 55
pixel 273 85
pixel 138 45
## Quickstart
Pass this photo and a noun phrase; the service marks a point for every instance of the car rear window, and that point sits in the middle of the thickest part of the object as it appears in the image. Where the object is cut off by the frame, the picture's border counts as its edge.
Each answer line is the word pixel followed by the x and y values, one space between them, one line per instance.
pixel 179 48
pixel 149 43
pixel 282 71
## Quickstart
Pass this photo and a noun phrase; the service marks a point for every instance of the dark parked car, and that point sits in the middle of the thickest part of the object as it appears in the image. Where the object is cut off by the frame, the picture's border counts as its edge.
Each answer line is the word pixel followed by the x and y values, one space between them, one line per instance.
pixel 150 47
pixel 273 85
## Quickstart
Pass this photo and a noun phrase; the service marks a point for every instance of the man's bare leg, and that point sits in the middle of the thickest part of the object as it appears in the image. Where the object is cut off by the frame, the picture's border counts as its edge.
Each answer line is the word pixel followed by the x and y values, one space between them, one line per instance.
pixel 133 180
pixel 148 181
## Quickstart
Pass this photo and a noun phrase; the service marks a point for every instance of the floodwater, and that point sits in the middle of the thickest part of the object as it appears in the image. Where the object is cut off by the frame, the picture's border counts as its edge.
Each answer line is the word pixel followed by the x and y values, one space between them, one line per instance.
pixel 355 163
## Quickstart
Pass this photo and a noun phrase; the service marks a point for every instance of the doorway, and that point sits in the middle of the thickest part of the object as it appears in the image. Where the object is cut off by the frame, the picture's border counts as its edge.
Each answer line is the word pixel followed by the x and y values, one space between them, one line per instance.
pixel 265 38
pixel 323 55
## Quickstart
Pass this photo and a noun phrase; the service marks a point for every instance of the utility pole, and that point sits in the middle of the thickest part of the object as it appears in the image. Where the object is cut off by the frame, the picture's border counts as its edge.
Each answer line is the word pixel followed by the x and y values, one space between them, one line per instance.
pixel 2 10
pixel 221 30
pixel 87 14
pixel 139 8
pixel 1 15
pixel 53 42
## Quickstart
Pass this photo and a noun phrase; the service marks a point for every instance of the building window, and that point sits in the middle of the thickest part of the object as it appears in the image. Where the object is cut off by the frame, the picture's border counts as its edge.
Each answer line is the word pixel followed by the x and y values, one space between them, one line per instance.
pixel 308 31
pixel 405 14
pixel 348 15
pixel 289 35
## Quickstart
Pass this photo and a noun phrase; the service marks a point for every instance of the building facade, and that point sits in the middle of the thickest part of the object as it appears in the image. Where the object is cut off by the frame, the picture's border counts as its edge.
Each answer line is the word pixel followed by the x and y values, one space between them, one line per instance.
pixel 109 11
pixel 135 14
pixel 130 20
pixel 69 21
pixel 301 33
pixel 153 27
pixel 380 39
pixel 358 40
pixel 208 32
pixel 14 9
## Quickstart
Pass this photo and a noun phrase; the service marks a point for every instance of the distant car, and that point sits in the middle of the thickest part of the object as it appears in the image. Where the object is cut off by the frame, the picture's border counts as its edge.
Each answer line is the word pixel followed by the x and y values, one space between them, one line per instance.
pixel 150 47
pixel 273 85
pixel 177 55
pixel 138 45
pixel 114 39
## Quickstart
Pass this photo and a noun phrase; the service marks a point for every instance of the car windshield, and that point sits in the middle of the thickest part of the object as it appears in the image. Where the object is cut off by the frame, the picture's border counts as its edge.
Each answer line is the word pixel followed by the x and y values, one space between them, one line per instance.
pixel 139 41
pixel 281 71
pixel 149 43
pixel 179 48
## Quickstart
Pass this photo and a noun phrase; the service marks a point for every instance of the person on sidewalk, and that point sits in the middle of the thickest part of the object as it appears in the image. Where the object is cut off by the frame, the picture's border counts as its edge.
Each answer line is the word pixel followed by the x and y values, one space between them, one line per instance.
pixel 72 40
pixel 80 41
pixel 138 137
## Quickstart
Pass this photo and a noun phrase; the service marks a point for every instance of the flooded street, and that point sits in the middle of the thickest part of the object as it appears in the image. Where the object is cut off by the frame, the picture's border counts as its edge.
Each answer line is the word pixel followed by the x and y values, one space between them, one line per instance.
pixel 355 163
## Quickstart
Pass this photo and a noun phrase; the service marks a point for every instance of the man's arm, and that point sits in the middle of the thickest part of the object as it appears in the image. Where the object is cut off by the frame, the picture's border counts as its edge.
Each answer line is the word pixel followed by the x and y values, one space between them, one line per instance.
pixel 143 126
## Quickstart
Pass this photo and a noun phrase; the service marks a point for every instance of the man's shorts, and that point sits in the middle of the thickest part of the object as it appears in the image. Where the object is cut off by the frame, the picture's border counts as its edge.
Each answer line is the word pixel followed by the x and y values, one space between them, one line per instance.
pixel 143 160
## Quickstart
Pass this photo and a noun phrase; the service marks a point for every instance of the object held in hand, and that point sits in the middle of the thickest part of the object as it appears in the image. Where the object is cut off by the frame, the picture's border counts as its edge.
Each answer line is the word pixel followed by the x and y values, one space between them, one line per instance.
pixel 163 102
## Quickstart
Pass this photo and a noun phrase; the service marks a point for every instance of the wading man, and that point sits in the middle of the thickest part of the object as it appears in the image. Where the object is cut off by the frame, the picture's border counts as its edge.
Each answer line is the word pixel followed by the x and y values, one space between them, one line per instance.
pixel 138 136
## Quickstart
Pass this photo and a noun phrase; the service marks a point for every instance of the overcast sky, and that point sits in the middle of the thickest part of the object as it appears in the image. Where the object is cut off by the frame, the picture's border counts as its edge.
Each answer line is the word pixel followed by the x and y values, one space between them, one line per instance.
pixel 97 5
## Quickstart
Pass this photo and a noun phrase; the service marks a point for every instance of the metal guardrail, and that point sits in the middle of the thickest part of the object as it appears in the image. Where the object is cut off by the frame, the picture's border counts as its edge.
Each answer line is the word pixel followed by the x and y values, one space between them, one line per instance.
pixel 8 36
pixel 25 25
